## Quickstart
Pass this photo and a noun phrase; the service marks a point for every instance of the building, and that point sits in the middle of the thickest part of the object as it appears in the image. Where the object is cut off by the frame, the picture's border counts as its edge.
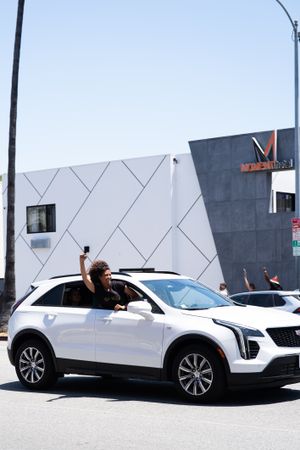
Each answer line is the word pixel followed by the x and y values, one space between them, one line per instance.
pixel 248 188
pixel 206 214
pixel 143 212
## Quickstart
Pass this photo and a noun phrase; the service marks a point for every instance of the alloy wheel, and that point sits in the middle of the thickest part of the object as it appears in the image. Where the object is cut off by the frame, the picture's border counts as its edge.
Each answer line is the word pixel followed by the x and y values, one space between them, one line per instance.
pixel 32 365
pixel 195 374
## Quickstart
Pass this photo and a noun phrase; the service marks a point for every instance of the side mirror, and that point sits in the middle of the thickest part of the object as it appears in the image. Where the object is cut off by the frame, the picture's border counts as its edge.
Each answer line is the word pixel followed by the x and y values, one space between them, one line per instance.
pixel 142 308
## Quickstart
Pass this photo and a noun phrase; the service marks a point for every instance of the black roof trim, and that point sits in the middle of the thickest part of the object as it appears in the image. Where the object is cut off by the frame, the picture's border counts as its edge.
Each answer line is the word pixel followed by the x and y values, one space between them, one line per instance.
pixel 147 270
pixel 65 275
pixel 138 269
pixel 122 271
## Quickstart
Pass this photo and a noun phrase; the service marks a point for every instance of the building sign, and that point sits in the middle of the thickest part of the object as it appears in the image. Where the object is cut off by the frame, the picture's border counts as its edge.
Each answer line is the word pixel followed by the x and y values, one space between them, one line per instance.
pixel 296 237
pixel 266 159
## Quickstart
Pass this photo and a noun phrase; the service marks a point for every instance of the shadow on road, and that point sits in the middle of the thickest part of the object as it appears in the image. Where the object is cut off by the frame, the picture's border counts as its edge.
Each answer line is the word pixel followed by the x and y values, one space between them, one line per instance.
pixel 115 389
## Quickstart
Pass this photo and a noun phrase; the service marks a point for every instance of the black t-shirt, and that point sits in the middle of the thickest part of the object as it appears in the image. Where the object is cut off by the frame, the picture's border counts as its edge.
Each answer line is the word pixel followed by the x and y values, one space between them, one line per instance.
pixel 119 287
pixel 105 299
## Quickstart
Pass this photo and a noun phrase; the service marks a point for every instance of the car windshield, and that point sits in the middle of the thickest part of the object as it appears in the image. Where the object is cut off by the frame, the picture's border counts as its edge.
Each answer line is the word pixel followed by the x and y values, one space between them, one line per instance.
pixel 186 294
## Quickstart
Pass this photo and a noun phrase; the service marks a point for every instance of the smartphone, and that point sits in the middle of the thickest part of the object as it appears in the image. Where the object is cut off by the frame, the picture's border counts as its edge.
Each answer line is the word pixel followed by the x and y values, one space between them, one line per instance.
pixel 86 249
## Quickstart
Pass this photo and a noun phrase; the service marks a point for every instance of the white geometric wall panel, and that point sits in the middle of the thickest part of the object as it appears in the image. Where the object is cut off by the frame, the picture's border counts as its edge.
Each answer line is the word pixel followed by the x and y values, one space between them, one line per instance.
pixel 151 212
pixel 141 212
pixel 121 253
pixel 90 174
pixel 27 266
pixel 41 184
pixel 186 187
pixel 161 258
pixel 144 168
pixel 200 235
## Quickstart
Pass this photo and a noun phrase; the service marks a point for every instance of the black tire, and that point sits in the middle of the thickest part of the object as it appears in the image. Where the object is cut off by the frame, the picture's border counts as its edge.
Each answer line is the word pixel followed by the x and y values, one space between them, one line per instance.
pixel 34 365
pixel 199 374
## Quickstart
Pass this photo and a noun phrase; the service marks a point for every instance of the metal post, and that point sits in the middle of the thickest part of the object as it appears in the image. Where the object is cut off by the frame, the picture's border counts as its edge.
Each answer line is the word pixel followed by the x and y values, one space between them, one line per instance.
pixel 297 158
pixel 296 138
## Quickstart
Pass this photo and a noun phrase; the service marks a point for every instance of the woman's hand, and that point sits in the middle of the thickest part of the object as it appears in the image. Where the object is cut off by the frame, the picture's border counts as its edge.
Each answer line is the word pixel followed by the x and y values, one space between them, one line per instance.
pixel 82 257
pixel 119 307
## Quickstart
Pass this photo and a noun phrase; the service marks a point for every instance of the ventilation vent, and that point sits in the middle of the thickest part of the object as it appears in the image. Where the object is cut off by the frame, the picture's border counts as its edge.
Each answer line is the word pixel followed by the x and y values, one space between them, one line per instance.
pixel 40 243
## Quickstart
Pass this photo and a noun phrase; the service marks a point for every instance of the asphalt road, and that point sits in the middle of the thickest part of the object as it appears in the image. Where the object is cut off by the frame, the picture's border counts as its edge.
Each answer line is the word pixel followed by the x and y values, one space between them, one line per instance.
pixel 90 413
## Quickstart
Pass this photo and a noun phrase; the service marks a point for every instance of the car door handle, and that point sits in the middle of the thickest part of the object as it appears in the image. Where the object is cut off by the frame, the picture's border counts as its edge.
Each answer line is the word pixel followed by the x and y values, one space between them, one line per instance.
pixel 51 316
pixel 104 319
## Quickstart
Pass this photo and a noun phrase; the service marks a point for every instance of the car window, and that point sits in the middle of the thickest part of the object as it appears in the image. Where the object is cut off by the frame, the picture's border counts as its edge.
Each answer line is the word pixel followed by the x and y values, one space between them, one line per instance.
pixel 279 300
pixel 67 294
pixel 137 294
pixel 186 294
pixel 243 298
pixel 265 300
pixel 52 297
pixel 77 295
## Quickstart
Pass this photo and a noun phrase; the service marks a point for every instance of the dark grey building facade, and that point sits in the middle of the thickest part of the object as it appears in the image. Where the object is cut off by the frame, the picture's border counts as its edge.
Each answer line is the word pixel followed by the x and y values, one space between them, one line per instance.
pixel 246 234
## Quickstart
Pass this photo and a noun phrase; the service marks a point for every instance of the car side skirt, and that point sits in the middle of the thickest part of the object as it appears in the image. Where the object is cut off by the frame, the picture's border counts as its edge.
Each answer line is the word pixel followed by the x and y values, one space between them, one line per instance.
pixel 69 366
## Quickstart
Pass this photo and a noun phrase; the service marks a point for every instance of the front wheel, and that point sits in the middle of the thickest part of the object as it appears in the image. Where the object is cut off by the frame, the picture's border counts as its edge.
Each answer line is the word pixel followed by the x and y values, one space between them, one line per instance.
pixel 34 365
pixel 199 374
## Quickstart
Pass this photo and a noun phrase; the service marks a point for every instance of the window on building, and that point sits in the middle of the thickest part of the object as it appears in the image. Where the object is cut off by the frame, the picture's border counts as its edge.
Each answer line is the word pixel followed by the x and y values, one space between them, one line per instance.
pixel 285 202
pixel 41 219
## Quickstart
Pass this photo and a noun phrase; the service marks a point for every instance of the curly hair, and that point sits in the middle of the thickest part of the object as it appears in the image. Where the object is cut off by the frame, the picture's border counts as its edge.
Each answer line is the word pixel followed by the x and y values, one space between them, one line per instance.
pixel 97 268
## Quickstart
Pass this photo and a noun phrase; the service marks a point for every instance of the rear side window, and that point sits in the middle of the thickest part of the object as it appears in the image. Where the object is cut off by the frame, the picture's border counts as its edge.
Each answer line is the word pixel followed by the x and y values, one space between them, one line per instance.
pixel 67 294
pixel 241 299
pixel 278 300
pixel 265 300
pixel 77 295
pixel 52 297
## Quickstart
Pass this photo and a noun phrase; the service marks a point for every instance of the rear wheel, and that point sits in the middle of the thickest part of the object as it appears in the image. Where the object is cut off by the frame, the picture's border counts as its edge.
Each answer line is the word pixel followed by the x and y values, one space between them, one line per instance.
pixel 34 365
pixel 199 374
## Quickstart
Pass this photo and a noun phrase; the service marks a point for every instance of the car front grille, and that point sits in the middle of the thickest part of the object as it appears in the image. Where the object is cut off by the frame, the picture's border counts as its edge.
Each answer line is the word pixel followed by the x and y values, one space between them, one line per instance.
pixel 285 337
pixel 282 367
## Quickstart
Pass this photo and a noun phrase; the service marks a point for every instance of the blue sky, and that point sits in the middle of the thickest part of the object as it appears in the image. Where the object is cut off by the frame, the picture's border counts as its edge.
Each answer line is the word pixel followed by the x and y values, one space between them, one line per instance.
pixel 113 79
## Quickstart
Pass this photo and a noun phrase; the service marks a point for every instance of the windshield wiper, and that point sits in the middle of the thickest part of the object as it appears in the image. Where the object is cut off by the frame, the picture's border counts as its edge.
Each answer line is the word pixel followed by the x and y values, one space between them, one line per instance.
pixel 237 303
pixel 193 309
pixel 220 306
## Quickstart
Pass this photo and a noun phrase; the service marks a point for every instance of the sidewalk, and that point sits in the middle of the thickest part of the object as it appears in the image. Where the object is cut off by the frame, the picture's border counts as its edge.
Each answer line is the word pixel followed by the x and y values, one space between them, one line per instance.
pixel 3 336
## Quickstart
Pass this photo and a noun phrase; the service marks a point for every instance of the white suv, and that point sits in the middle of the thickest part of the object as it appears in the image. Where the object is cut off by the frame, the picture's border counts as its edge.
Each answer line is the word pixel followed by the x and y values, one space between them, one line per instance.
pixel 176 330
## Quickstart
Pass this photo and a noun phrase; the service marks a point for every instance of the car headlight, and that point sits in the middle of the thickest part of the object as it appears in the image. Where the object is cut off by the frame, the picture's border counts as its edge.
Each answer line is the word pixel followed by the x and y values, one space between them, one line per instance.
pixel 242 335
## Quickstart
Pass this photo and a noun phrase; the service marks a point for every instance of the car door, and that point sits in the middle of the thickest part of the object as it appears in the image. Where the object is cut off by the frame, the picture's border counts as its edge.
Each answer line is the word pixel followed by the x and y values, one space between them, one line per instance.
pixel 70 329
pixel 129 339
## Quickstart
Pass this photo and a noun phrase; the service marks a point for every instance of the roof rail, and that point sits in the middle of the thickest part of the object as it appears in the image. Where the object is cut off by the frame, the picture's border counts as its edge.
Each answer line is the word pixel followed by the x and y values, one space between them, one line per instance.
pixel 147 270
pixel 167 271
pixel 66 275
pixel 139 269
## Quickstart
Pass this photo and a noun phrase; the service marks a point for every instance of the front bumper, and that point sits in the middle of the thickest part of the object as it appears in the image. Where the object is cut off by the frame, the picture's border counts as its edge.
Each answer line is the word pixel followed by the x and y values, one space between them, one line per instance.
pixel 281 371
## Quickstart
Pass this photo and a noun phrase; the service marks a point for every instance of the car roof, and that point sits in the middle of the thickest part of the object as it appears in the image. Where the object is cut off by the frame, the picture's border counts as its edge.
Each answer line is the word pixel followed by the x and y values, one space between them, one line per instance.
pixel 137 274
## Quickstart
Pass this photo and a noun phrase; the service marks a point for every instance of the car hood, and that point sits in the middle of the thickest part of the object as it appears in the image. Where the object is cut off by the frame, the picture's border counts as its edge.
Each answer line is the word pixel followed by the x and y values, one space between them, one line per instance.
pixel 249 316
